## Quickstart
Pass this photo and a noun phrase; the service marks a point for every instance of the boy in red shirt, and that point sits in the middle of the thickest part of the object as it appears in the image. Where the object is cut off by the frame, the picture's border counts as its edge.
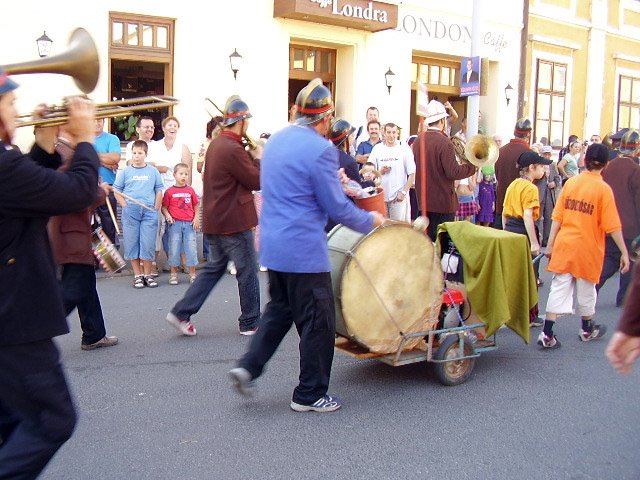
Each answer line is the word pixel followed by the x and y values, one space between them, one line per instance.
pixel 584 214
pixel 181 209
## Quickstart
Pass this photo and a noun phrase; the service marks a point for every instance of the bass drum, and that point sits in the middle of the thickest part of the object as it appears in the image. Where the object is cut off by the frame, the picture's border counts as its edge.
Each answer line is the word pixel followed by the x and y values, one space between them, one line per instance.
pixel 386 284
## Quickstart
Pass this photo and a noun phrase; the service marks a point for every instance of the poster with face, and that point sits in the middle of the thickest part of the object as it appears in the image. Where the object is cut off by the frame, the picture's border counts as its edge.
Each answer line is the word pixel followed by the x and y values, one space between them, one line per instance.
pixel 470 76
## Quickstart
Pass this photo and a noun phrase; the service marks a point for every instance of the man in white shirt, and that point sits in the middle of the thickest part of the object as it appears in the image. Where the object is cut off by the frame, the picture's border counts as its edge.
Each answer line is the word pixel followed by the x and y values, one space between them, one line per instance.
pixel 395 163
pixel 145 129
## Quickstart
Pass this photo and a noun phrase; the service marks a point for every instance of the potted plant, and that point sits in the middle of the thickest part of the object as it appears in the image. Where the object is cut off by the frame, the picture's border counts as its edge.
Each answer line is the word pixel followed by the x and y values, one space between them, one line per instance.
pixel 126 126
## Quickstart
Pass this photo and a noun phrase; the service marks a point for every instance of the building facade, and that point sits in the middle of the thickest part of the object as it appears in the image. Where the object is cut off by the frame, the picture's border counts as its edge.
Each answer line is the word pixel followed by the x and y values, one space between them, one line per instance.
pixel 182 49
pixel 583 68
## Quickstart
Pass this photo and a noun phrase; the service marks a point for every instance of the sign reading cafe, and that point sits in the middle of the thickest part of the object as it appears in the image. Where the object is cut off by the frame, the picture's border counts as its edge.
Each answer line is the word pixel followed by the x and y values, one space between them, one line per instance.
pixel 370 15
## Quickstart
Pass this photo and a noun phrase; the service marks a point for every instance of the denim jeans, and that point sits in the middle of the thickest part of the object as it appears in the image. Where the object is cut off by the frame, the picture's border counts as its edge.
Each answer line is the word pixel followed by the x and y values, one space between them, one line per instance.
pixel 139 227
pixel 239 248
pixel 182 239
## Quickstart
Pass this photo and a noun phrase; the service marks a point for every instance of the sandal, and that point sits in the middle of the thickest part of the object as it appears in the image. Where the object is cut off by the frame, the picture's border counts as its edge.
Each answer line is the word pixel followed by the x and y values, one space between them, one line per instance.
pixel 192 279
pixel 138 282
pixel 150 281
pixel 173 279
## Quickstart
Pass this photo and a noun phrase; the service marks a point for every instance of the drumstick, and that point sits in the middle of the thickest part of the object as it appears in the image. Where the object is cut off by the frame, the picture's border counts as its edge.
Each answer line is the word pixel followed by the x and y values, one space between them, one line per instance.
pixel 113 216
pixel 127 197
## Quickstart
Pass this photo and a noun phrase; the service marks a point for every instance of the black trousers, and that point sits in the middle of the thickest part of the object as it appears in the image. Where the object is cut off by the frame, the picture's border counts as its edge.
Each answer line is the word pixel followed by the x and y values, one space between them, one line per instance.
pixel 306 301
pixel 79 290
pixel 37 415
pixel 611 265
pixel 105 218
pixel 436 219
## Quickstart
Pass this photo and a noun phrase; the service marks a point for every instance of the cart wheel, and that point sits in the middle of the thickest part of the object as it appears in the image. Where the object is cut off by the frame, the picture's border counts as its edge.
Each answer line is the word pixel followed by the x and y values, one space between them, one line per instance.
pixel 453 372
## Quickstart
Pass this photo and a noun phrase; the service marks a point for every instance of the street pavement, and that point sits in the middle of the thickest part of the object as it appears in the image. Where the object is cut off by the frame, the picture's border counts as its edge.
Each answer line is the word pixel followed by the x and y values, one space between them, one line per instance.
pixel 160 406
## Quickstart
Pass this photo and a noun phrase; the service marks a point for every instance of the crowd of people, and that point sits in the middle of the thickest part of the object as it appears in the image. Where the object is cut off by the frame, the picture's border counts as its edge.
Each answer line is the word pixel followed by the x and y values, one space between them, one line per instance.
pixel 304 177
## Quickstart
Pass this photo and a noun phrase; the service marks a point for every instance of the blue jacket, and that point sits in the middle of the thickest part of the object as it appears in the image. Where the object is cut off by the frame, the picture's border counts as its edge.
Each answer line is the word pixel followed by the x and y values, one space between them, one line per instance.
pixel 300 190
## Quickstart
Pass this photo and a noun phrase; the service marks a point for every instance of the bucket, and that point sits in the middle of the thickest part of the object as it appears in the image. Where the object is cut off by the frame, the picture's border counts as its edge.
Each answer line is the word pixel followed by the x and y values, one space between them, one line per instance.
pixel 373 202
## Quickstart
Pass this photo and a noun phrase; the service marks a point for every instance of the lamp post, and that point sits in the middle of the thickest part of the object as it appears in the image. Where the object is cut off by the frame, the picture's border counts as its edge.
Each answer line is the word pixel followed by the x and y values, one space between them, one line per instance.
pixel 235 59
pixel 389 78
pixel 44 45
pixel 508 93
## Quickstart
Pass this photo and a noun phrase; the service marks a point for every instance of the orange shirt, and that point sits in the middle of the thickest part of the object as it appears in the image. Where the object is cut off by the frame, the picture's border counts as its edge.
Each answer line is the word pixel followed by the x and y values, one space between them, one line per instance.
pixel 586 211
pixel 521 195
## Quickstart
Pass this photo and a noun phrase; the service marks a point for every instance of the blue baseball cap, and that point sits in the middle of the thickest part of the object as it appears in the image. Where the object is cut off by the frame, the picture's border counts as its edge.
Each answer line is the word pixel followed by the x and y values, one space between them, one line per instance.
pixel 6 84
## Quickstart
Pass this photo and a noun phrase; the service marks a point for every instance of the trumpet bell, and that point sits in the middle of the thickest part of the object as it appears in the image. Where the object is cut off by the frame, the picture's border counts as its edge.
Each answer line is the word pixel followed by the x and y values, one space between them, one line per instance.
pixel 481 151
pixel 79 61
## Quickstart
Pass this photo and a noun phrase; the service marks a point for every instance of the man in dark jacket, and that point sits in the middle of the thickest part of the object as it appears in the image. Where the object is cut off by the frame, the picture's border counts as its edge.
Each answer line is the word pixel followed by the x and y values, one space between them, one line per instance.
pixel 623 176
pixel 231 174
pixel 506 165
pixel 442 169
pixel 70 236
pixel 37 415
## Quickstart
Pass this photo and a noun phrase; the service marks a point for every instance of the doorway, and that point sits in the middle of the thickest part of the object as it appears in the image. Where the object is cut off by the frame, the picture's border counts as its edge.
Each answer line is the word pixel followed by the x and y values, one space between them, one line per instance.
pixel 308 62
pixel 133 79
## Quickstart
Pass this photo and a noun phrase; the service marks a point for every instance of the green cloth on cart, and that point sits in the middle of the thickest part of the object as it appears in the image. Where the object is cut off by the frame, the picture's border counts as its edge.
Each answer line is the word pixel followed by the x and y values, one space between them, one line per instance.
pixel 498 275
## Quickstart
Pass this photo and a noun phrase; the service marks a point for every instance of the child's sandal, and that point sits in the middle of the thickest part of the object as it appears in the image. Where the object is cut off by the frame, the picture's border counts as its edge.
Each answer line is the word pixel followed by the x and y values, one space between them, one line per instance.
pixel 173 279
pixel 138 282
pixel 150 281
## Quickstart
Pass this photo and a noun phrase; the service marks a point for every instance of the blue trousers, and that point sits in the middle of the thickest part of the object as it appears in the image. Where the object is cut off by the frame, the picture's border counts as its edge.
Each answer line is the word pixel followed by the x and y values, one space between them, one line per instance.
pixel 238 248
pixel 37 415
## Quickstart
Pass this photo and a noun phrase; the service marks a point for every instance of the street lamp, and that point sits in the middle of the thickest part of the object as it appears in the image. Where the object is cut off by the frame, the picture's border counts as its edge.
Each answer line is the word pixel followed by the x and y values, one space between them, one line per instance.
pixel 44 45
pixel 508 93
pixel 389 77
pixel 235 59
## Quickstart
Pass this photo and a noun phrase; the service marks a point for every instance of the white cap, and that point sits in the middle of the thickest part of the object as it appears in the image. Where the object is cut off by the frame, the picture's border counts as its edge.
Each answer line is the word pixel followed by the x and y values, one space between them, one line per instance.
pixel 547 149
pixel 435 112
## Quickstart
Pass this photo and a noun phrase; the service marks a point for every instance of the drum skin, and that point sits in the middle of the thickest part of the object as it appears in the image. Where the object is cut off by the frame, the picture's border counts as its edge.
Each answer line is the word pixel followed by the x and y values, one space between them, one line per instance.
pixel 385 283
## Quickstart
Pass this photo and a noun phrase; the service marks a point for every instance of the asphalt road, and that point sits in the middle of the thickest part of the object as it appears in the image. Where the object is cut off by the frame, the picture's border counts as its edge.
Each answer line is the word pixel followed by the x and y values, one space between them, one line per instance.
pixel 160 406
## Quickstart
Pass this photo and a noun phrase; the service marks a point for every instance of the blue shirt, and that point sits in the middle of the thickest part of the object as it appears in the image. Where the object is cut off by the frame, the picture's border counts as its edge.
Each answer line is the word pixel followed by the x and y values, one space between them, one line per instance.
pixel 365 147
pixel 140 183
pixel 300 189
pixel 107 143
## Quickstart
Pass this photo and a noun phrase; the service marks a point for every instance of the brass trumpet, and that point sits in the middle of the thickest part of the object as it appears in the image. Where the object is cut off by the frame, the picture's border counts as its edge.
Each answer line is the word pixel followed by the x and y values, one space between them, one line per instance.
pixel 57 115
pixel 80 61
pixel 249 142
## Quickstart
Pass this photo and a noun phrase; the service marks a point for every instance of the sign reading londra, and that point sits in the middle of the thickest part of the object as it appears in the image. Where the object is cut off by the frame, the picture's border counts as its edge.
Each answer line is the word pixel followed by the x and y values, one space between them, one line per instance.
pixel 359 14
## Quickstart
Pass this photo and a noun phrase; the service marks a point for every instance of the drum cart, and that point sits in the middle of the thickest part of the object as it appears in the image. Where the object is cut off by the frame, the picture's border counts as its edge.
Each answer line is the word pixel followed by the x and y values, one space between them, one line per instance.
pixel 453 351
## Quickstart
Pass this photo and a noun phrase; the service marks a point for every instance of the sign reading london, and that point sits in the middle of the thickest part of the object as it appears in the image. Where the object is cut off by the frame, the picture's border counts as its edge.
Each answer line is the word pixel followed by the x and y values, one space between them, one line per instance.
pixel 367 15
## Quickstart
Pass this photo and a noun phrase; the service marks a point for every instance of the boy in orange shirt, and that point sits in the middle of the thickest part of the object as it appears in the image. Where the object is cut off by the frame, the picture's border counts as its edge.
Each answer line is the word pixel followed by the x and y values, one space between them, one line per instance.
pixel 584 213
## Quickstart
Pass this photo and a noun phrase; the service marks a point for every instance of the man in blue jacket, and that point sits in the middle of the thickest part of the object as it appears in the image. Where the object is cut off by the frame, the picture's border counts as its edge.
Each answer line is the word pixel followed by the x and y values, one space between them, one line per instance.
pixel 36 411
pixel 301 189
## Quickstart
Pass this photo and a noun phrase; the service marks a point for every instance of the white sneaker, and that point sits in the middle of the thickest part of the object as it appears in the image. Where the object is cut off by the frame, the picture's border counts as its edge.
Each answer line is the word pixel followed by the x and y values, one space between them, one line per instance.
pixel 184 327
pixel 231 268
pixel 324 404
pixel 242 381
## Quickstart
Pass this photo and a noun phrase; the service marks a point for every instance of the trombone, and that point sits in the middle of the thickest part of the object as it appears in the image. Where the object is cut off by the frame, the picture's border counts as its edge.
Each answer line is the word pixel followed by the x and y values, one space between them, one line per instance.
pixel 81 62
pixel 57 115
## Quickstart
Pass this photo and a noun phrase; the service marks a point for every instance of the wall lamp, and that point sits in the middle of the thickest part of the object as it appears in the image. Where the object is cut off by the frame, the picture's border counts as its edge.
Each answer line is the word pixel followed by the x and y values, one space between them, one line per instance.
pixel 508 93
pixel 235 59
pixel 389 78
pixel 44 45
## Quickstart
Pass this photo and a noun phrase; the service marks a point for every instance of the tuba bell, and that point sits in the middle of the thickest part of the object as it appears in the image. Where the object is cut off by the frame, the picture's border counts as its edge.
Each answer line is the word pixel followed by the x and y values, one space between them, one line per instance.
pixel 79 61
pixel 481 151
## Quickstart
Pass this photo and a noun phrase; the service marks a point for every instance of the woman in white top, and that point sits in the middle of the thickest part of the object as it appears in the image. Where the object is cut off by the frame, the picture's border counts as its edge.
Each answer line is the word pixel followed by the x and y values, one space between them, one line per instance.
pixel 568 166
pixel 167 153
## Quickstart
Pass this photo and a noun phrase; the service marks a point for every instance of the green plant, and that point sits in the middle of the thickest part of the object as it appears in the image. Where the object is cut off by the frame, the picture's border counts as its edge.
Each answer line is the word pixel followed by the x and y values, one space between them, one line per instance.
pixel 126 126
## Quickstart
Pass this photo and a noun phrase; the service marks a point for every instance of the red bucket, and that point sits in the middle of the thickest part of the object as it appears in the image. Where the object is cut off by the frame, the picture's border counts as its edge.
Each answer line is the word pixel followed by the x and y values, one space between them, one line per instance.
pixel 373 202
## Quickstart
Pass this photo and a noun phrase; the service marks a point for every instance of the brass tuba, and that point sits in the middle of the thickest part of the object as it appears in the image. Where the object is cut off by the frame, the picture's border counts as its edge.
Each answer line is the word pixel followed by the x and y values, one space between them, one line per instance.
pixel 481 151
pixel 459 147
pixel 79 61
